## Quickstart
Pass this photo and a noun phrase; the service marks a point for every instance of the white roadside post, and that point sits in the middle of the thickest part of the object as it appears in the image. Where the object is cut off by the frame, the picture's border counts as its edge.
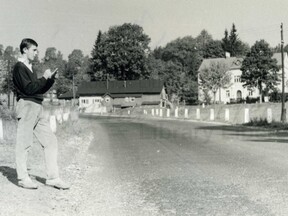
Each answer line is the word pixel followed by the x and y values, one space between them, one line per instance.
pixel 65 116
pixel 157 112
pixel 53 124
pixel 269 115
pixel 59 118
pixel 168 113
pixel 186 113
pixel 128 112
pixel 160 113
pixel 1 130
pixel 152 112
pixel 227 115
pixel 176 112
pixel 212 116
pixel 246 115
pixel 198 114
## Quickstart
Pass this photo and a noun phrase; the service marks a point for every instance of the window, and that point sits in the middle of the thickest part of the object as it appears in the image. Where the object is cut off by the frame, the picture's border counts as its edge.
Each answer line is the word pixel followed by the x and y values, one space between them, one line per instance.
pixel 107 99
pixel 250 93
pixel 227 93
pixel 85 101
pixel 237 79
pixel 132 99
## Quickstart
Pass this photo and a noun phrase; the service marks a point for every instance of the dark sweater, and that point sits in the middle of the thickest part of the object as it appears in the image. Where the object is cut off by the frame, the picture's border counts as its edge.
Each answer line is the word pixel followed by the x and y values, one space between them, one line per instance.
pixel 27 84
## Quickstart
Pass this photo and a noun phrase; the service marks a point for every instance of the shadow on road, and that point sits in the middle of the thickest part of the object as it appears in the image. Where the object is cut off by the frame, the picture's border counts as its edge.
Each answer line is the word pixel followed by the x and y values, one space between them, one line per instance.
pixel 11 175
pixel 232 128
pixel 259 134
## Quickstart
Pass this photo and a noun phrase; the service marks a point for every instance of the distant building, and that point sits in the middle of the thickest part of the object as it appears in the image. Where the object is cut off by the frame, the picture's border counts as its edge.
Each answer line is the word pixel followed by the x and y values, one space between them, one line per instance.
pixel 121 94
pixel 235 90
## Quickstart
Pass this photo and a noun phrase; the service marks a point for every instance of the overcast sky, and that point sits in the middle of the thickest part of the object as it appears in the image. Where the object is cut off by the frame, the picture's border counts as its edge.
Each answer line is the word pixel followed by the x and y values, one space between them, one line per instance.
pixel 74 24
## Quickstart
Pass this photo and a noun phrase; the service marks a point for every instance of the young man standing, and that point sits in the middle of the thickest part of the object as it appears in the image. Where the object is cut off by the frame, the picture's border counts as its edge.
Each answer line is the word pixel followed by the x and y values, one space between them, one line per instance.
pixel 31 120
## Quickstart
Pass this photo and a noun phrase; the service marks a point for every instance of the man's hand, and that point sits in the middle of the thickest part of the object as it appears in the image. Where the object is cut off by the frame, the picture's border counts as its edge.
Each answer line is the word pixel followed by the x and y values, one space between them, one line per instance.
pixel 47 74
pixel 54 74
pixel 50 75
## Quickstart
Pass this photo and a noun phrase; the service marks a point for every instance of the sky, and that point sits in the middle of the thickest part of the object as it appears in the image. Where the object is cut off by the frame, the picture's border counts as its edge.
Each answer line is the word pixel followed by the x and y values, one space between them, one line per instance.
pixel 74 24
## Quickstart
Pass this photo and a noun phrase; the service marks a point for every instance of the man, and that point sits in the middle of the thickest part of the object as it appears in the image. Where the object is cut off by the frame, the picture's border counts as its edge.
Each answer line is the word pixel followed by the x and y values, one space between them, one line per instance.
pixel 31 120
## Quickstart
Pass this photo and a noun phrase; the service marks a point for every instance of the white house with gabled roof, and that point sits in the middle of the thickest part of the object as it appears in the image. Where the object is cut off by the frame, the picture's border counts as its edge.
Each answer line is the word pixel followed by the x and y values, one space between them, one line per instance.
pixel 235 91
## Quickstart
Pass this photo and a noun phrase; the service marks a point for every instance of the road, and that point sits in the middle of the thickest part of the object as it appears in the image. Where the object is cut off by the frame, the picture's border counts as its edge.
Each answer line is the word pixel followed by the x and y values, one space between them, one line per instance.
pixel 168 167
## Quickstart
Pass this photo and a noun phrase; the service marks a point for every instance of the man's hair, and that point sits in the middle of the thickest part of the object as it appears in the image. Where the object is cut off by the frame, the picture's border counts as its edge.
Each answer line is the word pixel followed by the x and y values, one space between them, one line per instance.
pixel 27 43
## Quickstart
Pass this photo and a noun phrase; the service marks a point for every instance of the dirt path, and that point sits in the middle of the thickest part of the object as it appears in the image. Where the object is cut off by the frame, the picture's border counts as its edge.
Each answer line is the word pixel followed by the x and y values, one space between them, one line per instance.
pixel 74 139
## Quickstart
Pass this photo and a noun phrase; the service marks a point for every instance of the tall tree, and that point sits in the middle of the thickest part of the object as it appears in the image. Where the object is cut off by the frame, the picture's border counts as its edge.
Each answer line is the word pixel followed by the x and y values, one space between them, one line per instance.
pixel 121 53
pixel 214 50
pixel 231 43
pixel 214 77
pixel 1 50
pixel 184 54
pixel 10 60
pixel 259 69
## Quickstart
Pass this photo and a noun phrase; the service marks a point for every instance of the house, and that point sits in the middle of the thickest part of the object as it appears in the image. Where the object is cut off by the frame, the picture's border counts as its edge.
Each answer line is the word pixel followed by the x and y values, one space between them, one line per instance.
pixel 121 94
pixel 235 90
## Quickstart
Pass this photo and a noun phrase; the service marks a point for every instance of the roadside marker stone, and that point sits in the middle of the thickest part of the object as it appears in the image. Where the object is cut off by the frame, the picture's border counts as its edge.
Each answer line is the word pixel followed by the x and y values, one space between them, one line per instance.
pixel 168 113
pixel 128 112
pixel 176 112
pixel 269 115
pixel 212 116
pixel 65 116
pixel 53 124
pixel 246 115
pixel 186 113
pixel 59 118
pixel 157 112
pixel 1 130
pixel 198 114
pixel 227 114
pixel 160 113
pixel 152 112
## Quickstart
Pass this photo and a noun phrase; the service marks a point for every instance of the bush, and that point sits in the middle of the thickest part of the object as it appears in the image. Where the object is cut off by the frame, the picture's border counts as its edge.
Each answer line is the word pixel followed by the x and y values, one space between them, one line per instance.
pixel 262 122
pixel 257 122
pixel 6 113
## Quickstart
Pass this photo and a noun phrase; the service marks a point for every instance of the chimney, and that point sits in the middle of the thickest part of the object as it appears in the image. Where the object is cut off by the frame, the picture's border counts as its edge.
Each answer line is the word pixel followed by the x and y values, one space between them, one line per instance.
pixel 227 55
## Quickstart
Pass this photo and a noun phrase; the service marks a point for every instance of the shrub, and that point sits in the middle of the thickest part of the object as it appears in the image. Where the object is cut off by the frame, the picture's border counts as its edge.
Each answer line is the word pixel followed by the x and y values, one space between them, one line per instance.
pixel 6 113
pixel 262 122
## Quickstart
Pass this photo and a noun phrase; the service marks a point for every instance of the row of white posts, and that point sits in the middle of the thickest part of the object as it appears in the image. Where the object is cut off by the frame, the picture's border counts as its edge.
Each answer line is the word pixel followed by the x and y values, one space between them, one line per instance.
pixel 60 118
pixel 159 112
pixel 53 122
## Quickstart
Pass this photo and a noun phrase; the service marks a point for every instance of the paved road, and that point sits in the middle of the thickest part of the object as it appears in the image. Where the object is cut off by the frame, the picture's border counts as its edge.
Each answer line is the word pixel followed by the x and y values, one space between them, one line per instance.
pixel 162 167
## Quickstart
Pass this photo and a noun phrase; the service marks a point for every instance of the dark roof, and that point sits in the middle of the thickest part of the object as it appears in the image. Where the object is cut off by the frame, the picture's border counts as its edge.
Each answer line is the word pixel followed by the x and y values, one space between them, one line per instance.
pixel 120 87
pixel 232 63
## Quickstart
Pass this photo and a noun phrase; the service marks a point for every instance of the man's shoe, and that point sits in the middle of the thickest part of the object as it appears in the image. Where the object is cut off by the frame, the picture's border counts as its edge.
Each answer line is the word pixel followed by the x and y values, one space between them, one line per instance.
pixel 27 183
pixel 57 183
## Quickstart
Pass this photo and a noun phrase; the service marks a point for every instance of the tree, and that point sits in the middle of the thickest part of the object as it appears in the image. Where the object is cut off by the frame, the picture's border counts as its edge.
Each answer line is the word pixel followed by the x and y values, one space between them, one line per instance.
pixel 259 69
pixel 1 50
pixel 214 50
pixel 54 59
pixel 182 52
pixel 121 53
pixel 214 78
pixel 232 44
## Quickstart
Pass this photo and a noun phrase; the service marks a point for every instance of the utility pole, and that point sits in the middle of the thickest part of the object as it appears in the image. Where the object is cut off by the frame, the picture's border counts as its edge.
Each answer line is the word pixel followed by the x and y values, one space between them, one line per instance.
pixel 8 84
pixel 283 110
pixel 73 89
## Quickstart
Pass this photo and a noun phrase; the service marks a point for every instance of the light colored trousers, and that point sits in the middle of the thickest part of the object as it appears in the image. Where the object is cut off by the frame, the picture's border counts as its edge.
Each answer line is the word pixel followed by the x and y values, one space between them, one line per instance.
pixel 31 121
